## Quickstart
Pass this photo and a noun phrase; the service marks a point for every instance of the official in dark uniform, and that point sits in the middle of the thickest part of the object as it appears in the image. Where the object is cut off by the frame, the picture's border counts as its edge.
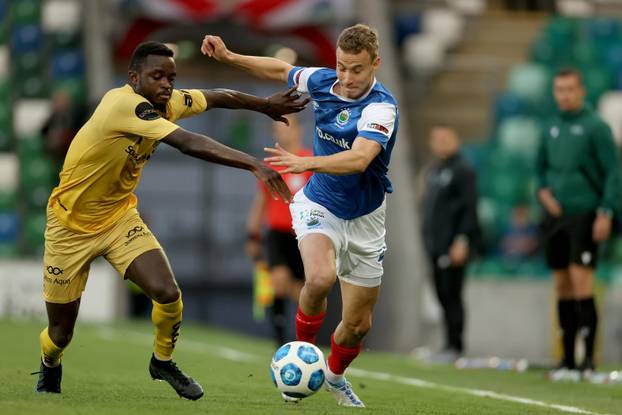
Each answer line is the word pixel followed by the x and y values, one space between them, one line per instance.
pixel 579 186
pixel 450 229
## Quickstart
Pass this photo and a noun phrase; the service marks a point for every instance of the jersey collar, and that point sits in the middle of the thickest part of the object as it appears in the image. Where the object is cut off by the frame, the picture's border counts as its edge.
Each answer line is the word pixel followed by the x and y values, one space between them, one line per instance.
pixel 373 84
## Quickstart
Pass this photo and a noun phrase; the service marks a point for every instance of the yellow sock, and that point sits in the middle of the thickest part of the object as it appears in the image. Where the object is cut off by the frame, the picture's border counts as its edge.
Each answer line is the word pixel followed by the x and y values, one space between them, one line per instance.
pixel 167 320
pixel 50 353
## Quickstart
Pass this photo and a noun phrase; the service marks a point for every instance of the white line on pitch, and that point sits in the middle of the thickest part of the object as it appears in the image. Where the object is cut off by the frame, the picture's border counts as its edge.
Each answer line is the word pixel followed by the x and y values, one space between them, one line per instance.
pixel 475 392
pixel 228 353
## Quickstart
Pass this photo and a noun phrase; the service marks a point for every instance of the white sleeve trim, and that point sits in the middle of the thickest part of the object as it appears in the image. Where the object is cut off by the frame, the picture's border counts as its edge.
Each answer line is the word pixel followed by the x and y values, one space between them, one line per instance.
pixel 378 117
pixel 301 78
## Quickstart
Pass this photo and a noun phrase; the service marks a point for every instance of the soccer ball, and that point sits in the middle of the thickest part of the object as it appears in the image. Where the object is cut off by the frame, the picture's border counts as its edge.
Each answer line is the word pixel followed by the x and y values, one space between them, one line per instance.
pixel 298 369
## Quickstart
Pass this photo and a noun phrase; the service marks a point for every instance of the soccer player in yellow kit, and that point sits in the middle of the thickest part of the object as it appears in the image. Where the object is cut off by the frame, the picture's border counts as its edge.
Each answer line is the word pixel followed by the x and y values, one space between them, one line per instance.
pixel 92 212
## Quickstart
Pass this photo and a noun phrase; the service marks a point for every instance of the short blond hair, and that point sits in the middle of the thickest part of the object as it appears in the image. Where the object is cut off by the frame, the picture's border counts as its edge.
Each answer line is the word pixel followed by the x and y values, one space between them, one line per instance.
pixel 359 37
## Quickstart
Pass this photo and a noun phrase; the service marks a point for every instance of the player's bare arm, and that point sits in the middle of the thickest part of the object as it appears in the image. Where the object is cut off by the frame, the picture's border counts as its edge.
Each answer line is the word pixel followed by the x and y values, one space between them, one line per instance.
pixel 208 149
pixel 259 66
pixel 355 160
pixel 274 106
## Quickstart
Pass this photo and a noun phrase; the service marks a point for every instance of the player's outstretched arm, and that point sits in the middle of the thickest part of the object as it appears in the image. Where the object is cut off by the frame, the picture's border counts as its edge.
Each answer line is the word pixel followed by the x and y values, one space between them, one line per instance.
pixel 260 66
pixel 205 148
pixel 275 106
pixel 355 160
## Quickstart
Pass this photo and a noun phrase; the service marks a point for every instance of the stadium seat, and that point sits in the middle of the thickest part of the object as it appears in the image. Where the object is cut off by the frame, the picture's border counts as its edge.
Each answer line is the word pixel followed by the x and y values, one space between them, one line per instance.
pixel 4 10
pixel 30 115
pixel 9 250
pixel 8 200
pixel 26 38
pixel 61 16
pixel 34 228
pixel 444 24
pixel 9 227
pixel 613 58
pixel 423 54
pixel 64 40
pixel 585 54
pixel 9 172
pixel 37 177
pixel 6 126
pixel 604 30
pixel 610 108
pixel 520 136
pixel 468 7
pixel 510 104
pixel 543 52
pixel 32 87
pixel 575 8
pixel 405 25
pixel 530 81
pixel 5 63
pixel 67 64
pixel 26 11
pixel 597 81
pixel 30 147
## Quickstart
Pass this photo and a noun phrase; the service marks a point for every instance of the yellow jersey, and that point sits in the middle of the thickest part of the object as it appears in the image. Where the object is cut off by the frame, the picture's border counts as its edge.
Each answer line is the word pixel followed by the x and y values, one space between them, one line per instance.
pixel 106 157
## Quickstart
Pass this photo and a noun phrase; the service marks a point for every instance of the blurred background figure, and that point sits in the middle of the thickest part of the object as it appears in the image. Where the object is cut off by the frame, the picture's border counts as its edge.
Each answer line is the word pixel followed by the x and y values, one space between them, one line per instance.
pixel 580 188
pixel 520 238
pixel 64 121
pixel 450 231
pixel 271 236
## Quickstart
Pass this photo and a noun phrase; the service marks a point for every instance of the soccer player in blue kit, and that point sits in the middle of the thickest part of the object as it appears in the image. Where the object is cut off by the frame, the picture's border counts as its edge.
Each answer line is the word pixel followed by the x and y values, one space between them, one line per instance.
pixel 339 216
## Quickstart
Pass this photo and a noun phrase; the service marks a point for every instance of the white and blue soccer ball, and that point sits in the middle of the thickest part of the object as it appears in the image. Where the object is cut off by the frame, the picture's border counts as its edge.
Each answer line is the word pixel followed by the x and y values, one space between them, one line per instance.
pixel 298 369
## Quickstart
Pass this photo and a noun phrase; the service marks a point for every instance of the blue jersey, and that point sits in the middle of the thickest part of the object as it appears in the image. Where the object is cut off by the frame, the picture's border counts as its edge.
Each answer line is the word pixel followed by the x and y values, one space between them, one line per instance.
pixel 338 121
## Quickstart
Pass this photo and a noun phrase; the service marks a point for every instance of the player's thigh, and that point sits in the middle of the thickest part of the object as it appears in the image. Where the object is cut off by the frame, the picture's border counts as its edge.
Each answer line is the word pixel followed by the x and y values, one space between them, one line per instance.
pixel 136 254
pixel 320 237
pixel 66 262
pixel 583 249
pixel 319 259
pixel 362 263
pixel 152 273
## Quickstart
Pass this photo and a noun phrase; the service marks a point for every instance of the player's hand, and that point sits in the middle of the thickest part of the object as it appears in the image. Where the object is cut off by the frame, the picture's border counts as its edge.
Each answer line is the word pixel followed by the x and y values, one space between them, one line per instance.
pixel 459 252
pixel 550 203
pixel 602 228
pixel 253 249
pixel 214 47
pixel 292 162
pixel 273 181
pixel 284 103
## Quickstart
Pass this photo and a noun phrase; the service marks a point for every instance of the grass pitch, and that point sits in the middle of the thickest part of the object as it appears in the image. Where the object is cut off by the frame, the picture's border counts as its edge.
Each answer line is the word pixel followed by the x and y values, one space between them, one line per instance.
pixel 105 372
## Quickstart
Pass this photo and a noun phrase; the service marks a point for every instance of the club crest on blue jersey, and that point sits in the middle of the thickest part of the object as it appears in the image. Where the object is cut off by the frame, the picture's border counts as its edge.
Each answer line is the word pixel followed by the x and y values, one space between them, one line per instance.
pixel 343 117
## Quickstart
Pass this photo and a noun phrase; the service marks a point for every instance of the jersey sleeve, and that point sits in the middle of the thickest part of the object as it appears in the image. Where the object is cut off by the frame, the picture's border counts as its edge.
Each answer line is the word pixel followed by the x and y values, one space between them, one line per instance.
pixel 300 76
pixel 377 122
pixel 186 103
pixel 136 116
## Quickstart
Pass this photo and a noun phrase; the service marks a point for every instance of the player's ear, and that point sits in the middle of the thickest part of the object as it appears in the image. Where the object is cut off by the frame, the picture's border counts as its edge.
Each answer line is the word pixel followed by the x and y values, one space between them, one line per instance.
pixel 132 76
pixel 376 63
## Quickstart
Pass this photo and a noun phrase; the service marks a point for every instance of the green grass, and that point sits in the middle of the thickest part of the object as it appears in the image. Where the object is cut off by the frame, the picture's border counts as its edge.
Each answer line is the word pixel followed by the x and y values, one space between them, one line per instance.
pixel 105 372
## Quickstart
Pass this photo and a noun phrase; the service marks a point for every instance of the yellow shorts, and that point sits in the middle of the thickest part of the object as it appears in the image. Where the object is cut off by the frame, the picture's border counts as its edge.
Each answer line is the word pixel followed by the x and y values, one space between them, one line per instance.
pixel 68 255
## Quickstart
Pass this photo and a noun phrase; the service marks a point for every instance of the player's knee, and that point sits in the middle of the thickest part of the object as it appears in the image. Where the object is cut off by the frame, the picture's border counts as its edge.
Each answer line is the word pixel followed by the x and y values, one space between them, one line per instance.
pixel 60 337
pixel 318 286
pixel 165 294
pixel 359 327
